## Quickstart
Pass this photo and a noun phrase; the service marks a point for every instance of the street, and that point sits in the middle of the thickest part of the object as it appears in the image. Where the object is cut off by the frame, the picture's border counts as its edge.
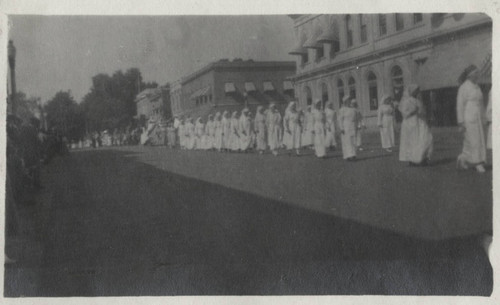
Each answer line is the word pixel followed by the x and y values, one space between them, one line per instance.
pixel 137 220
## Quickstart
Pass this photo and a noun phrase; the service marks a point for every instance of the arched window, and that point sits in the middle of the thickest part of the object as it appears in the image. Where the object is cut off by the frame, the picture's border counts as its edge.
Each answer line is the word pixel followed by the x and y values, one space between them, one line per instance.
pixel 372 90
pixel 340 89
pixel 308 93
pixel 348 26
pixel 397 82
pixel 352 87
pixel 324 94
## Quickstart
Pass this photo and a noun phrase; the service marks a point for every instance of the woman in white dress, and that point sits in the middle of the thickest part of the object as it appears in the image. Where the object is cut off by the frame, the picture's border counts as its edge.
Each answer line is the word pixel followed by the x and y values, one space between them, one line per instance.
pixel 489 143
pixel 385 122
pixel 210 133
pixel 416 138
pixel 260 130
pixel 308 128
pixel 200 134
pixel 330 141
pixel 218 132
pixel 348 124
pixel 245 130
pixel 292 130
pixel 181 134
pixel 471 121
pixel 190 134
pixel 361 125
pixel 234 138
pixel 226 131
pixel 319 130
pixel 274 122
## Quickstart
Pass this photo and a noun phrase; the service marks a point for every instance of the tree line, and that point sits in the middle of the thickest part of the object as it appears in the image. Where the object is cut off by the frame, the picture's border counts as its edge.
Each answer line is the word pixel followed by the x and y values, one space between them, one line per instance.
pixel 109 104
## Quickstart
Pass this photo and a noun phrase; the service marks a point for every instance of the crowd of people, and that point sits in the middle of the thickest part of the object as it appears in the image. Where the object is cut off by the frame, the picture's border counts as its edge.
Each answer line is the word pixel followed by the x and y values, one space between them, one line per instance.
pixel 319 127
pixel 28 148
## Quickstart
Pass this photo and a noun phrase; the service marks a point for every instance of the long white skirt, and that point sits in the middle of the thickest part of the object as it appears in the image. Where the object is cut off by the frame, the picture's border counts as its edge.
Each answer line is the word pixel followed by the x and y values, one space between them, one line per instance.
pixel 319 140
pixel 416 140
pixel 474 146
pixel 387 133
pixel 307 136
pixel 349 144
pixel 330 135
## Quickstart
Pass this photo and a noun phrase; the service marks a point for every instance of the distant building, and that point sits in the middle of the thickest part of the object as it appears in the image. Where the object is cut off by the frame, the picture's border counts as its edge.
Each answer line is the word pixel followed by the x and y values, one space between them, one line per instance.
pixel 154 103
pixel 367 55
pixel 231 85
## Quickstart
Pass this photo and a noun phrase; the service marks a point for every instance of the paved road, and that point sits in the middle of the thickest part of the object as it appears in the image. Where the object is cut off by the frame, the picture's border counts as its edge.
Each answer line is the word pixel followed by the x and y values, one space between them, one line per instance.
pixel 152 221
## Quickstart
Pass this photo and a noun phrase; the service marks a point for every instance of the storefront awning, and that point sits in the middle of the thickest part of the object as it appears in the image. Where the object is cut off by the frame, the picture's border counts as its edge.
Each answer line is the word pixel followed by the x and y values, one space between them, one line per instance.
pixel 249 87
pixel 200 92
pixel 287 85
pixel 229 88
pixel 268 86
pixel 447 61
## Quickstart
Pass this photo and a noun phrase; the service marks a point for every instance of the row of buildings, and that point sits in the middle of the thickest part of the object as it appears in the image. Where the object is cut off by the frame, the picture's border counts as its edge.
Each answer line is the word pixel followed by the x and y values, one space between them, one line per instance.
pixel 363 55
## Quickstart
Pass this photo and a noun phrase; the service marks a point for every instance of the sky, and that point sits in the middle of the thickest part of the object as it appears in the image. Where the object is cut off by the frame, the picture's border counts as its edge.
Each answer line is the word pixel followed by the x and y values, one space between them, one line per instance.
pixel 63 52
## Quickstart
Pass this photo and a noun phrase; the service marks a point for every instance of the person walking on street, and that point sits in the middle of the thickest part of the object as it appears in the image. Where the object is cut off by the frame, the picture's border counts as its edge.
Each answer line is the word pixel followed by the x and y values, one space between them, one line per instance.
pixel 385 122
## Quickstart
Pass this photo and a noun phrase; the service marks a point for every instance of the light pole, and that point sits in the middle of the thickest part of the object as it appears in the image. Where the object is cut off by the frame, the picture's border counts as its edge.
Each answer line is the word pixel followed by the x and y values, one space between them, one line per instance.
pixel 11 51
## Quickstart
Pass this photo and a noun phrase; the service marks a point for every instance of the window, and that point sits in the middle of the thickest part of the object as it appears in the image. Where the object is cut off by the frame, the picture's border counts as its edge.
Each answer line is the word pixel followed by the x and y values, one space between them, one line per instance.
pixel 352 87
pixel 340 89
pixel 324 95
pixel 417 18
pixel 305 58
pixel 320 53
pixel 308 96
pixel 382 24
pixel 335 47
pixel 372 90
pixel 400 23
pixel 397 82
pixel 362 26
pixel 348 25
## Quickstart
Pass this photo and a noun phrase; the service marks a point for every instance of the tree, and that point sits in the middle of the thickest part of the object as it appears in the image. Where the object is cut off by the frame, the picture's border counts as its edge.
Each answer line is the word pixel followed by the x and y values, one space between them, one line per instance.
pixel 110 102
pixel 63 115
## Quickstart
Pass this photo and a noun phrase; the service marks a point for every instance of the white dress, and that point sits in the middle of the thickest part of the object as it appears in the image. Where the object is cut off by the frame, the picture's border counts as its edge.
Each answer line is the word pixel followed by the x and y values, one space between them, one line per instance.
pixel 274 130
pixel 200 136
pixel 386 123
pixel 470 112
pixel 416 138
pixel 348 122
pixel 319 133
pixel 234 137
pixel 292 130
pixel 190 139
pixel 226 133
pixel 330 128
pixel 218 132
pixel 245 131
pixel 260 131
pixel 307 132
pixel 209 134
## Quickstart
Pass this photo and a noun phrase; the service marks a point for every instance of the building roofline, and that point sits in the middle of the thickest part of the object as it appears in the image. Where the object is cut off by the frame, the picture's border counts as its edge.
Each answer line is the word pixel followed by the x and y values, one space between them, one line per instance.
pixel 223 64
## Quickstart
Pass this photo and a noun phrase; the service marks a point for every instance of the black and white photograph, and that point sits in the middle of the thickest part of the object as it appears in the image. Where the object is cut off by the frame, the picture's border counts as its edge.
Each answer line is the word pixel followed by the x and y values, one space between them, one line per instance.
pixel 325 153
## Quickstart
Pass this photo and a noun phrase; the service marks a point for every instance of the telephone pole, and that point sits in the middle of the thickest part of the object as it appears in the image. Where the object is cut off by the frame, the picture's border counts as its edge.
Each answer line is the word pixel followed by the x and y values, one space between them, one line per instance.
pixel 11 51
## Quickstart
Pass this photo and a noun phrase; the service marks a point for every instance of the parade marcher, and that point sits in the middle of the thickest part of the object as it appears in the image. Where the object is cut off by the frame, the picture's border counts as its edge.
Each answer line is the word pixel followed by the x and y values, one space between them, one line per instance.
pixel 319 130
pixel 234 138
pixel 292 130
pixel 177 123
pixel 171 135
pixel 226 131
pixel 245 130
pixel 274 129
pixel 181 133
pixel 200 134
pixel 210 133
pixel 252 133
pixel 416 138
pixel 361 125
pixel 308 128
pixel 190 134
pixel 471 120
pixel 385 122
pixel 489 143
pixel 330 141
pixel 348 124
pixel 260 130
pixel 218 132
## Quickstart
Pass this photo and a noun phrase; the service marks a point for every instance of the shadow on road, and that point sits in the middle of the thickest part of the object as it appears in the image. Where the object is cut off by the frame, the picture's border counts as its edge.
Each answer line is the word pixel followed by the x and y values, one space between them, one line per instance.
pixel 116 226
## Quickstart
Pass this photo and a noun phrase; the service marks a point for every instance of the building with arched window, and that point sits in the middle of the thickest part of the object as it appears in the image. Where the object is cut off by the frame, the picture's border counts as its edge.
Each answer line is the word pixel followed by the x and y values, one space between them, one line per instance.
pixel 368 55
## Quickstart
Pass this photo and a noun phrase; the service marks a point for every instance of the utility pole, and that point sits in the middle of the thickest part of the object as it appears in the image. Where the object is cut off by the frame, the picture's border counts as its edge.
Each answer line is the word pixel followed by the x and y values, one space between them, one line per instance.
pixel 11 51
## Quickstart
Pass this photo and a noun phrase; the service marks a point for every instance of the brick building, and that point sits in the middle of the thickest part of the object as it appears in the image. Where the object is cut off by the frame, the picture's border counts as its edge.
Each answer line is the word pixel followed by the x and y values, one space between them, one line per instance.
pixel 231 85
